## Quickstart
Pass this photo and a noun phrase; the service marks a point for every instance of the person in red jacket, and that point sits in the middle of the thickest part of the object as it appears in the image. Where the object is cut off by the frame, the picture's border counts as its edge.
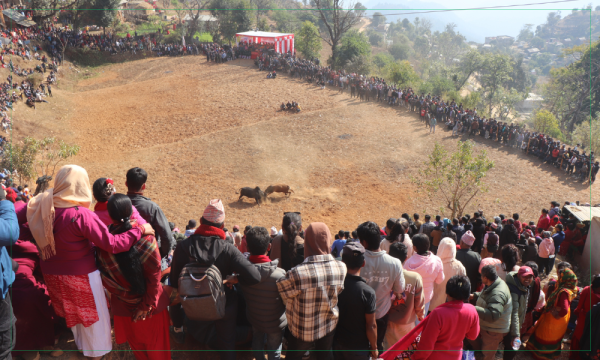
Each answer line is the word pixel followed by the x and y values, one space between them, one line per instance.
pixel 544 220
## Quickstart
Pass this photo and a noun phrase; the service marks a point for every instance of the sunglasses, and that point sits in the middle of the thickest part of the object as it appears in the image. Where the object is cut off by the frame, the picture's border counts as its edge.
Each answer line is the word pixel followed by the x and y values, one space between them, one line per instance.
pixel 291 212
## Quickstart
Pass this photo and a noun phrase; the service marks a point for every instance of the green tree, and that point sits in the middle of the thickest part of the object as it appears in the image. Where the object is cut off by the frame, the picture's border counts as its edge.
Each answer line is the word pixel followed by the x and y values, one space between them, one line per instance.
pixel 378 19
pixel 588 133
pixel 402 73
pixel 422 46
pixel 382 60
pixel 455 178
pixel 105 12
pixel 360 64
pixel 33 157
pixel 573 92
pixel 375 38
pixel 400 51
pixel 495 71
pixel 525 34
pixel 231 22
pixel 537 42
pixel 546 123
pixel 262 6
pixel 353 44
pixel 21 157
pixel 336 21
pixel 263 25
pixel 470 63
pixel 308 41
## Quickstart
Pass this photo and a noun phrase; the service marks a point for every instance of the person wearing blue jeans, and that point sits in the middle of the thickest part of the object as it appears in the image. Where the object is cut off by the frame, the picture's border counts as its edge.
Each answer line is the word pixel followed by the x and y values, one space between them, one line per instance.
pixel 265 309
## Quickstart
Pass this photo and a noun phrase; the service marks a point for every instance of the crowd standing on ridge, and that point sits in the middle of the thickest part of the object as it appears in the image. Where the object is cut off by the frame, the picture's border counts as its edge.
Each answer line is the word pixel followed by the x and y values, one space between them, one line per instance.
pixel 433 110
pixel 83 254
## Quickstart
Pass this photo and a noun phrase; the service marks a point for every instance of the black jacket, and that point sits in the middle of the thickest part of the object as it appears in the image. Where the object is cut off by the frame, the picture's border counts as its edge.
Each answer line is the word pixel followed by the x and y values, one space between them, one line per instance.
pixel 470 260
pixel 152 213
pixel 213 250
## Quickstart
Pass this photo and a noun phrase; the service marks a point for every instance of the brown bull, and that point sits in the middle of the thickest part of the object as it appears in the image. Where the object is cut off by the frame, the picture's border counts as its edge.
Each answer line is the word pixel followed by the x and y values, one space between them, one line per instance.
pixel 280 188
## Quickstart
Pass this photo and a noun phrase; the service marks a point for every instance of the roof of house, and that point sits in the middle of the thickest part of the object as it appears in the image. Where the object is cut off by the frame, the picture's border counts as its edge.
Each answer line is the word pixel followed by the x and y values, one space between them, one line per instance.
pixel 17 17
pixel 584 213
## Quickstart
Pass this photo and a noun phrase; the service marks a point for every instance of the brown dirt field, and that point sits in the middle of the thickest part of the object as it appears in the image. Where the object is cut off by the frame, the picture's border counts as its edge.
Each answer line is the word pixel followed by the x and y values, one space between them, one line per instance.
pixel 203 131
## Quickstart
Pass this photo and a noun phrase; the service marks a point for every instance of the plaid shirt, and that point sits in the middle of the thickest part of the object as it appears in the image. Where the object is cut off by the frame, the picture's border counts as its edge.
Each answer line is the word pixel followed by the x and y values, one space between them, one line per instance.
pixel 310 293
pixel 114 281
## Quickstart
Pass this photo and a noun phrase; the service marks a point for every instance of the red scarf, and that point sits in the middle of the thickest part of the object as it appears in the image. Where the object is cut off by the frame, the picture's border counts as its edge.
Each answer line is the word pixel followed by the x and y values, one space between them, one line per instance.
pixel 259 259
pixel 207 230
pixel 100 206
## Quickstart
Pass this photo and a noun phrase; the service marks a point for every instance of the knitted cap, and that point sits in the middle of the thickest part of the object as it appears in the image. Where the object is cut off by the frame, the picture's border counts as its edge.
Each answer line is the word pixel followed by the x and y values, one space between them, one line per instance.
pixel 468 238
pixel 214 212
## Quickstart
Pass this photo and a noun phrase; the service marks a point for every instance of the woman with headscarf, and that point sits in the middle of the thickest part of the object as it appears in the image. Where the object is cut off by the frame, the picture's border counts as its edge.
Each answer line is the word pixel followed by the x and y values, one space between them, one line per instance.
pixel 446 252
pixel 102 190
pixel 310 294
pixel 545 343
pixel 66 232
pixel 138 302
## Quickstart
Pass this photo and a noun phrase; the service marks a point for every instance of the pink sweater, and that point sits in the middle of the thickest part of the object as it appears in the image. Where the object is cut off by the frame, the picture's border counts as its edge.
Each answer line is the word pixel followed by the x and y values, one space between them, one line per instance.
pixel 445 330
pixel 430 268
pixel 546 248
pixel 76 231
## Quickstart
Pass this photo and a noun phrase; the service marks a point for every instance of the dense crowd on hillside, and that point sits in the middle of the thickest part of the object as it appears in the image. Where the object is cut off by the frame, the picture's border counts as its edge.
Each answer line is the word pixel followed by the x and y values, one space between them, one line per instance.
pixel 434 110
pixel 449 288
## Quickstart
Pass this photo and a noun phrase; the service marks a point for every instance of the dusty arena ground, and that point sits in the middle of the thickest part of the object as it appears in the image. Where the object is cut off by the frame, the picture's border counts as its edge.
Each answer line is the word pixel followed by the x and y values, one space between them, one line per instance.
pixel 203 131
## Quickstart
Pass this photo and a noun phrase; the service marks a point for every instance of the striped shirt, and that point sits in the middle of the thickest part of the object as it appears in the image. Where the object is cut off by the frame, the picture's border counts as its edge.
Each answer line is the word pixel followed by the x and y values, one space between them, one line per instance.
pixel 310 293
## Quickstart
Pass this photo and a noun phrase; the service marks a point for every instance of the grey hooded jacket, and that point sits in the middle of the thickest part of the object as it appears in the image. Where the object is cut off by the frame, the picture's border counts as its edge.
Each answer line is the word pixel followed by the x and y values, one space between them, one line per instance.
pixel 265 309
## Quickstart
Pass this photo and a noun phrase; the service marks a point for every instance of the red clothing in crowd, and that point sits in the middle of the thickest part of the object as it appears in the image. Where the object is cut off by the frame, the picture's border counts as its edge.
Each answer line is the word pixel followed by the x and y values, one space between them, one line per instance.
pixel 543 222
pixel 587 299
pixel 31 302
pixel 446 328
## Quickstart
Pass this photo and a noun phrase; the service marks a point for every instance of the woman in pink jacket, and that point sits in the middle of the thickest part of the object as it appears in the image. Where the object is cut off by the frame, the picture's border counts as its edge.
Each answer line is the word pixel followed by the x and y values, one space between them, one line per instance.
pixel 429 266
pixel 546 253
pixel 66 232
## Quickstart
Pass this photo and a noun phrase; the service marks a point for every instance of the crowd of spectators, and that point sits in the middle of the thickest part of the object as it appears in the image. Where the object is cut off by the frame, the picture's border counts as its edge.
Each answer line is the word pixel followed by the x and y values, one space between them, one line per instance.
pixel 378 291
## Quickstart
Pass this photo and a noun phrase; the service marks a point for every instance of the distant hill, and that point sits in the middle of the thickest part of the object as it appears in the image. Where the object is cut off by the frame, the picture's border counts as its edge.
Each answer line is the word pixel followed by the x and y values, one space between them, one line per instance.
pixel 475 25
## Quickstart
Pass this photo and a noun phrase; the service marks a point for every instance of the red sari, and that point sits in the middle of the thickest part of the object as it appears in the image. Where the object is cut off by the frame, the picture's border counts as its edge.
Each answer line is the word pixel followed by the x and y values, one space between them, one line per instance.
pixel 31 303
pixel 587 299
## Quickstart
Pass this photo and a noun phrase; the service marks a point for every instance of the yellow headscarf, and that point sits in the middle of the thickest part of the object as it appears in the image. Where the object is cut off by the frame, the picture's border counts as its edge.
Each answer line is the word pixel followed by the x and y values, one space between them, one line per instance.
pixel 71 188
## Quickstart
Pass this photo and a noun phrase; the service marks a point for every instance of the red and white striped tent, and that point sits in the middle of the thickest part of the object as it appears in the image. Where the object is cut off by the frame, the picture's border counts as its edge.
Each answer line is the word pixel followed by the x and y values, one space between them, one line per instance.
pixel 283 42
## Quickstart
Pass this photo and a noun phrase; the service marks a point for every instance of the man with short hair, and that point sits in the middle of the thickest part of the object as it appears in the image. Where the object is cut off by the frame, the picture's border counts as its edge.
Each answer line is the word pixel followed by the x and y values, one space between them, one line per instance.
pixel 266 311
pixel 470 259
pixel 519 284
pixel 190 228
pixel 411 307
pixel 427 227
pixel 382 272
pixel 149 210
pixel 356 333
pixel 494 307
pixel 206 246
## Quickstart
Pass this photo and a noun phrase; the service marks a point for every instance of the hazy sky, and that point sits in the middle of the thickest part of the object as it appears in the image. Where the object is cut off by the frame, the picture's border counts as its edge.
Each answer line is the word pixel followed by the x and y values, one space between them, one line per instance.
pixel 476 24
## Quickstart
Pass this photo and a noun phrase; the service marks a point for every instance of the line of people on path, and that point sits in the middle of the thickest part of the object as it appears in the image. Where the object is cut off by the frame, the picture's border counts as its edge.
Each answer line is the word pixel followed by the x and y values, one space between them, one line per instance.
pixel 433 111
